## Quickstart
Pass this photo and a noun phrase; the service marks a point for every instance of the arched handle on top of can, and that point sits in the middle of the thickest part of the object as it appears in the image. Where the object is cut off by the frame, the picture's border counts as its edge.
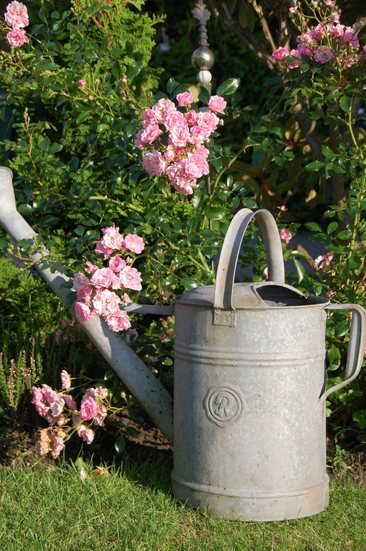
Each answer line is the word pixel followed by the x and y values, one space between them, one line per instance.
pixel 356 345
pixel 229 259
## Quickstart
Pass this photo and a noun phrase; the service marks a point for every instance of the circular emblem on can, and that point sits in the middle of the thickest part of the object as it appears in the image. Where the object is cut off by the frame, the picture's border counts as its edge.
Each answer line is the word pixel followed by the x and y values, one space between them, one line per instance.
pixel 223 405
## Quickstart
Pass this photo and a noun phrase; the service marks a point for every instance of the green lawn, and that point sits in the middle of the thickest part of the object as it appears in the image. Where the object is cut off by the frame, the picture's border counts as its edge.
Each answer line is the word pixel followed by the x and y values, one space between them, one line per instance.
pixel 132 509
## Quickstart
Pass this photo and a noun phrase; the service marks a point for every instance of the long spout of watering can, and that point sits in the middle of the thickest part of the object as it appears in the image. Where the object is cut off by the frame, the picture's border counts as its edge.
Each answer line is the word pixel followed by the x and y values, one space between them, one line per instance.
pixel 149 392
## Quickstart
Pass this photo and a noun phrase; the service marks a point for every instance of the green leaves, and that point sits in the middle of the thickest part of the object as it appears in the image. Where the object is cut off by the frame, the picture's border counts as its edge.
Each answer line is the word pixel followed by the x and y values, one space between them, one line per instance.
pixel 228 87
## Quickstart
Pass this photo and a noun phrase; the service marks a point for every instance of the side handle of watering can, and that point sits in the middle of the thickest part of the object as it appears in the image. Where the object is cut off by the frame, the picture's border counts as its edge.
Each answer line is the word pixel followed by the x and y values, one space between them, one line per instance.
pixel 356 345
pixel 224 313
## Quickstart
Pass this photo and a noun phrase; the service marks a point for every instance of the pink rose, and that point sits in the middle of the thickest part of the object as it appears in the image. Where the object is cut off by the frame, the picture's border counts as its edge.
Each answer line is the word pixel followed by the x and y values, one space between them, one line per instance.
pixel 285 235
pixel 174 119
pixel 154 163
pixel 57 444
pixel 196 166
pixel 65 380
pixel 179 134
pixel 88 408
pixel 69 402
pixel 80 281
pixel 117 263
pixel 149 118
pixel 82 82
pixel 150 134
pixel 279 54
pixel 16 15
pixel 185 98
pixel 82 312
pixel 294 64
pixel 163 108
pixel 317 32
pixel 102 277
pixel 134 243
pixel 105 303
pixel 49 395
pixel 131 279
pixel 208 121
pixel 102 249
pixel 99 417
pixel 112 238
pixel 85 294
pixel 17 38
pixel 323 54
pixel 90 267
pixel 217 104
pixel 191 117
pixel 119 321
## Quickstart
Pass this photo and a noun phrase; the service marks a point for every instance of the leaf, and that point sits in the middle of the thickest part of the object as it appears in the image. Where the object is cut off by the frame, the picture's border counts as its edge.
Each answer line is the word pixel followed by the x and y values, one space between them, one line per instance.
pixel 116 69
pixel 313 226
pixel 171 85
pixel 216 213
pixel 204 95
pixel 120 444
pixel 315 165
pixel 300 270
pixel 345 103
pixel 228 87
pixel 334 357
pixel 190 283
pixel 341 328
pixel 332 227
pixel 134 70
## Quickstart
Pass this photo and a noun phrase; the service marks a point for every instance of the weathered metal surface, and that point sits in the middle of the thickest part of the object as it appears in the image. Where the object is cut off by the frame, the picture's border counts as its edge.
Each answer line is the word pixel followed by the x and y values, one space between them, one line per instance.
pixel 249 413
pixel 146 388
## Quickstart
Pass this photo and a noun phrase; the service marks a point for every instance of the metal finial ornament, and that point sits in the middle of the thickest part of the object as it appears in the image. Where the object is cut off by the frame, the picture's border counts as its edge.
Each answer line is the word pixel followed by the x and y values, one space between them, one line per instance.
pixel 202 58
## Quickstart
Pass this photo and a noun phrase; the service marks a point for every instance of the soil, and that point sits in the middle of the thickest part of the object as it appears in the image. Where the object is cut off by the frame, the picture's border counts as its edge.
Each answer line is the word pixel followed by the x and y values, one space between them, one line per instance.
pixel 17 448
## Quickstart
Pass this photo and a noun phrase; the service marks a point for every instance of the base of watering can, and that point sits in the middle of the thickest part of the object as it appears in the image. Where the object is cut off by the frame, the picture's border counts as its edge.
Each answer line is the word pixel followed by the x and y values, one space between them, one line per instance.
pixel 251 507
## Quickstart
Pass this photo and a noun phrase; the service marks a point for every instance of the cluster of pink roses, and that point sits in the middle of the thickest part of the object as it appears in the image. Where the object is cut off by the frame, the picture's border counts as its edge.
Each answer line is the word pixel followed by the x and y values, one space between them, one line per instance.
pixel 181 156
pixel 98 293
pixel 325 42
pixel 59 408
pixel 16 17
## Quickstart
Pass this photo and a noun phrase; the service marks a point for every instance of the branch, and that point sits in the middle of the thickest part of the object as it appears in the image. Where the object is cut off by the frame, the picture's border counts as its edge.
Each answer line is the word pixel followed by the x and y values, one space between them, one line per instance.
pixel 262 20
pixel 249 39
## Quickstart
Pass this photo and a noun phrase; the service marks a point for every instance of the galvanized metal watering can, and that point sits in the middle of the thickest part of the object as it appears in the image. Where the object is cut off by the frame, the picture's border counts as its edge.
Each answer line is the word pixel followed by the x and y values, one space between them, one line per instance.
pixel 249 410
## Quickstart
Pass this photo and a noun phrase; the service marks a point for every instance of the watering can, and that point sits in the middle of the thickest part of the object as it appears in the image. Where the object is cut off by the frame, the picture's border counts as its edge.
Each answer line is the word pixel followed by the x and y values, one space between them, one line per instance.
pixel 249 408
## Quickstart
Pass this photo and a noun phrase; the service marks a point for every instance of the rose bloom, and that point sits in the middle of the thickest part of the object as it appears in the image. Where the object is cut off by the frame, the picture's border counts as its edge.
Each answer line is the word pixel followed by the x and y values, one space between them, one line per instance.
pixel 285 235
pixel 117 263
pixel 82 82
pixel 149 118
pixel 163 108
pixel 65 380
pixel 154 163
pixel 80 281
pixel 184 99
pixel 102 277
pixel 131 279
pixel 105 303
pixel 118 321
pixel 82 312
pixel 179 134
pixel 17 38
pixel 88 408
pixel 134 243
pixel 176 118
pixel 112 238
pixel 102 249
pixel 217 104
pixel 16 15
pixel 85 294
pixel 279 54
pixel 90 267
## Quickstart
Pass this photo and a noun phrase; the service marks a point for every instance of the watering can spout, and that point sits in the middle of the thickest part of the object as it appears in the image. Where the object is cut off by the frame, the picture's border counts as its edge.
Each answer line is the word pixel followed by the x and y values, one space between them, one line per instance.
pixel 146 388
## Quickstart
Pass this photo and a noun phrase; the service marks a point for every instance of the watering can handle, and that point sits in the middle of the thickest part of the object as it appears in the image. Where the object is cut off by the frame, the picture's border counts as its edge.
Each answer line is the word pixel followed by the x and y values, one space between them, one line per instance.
pixel 356 345
pixel 230 253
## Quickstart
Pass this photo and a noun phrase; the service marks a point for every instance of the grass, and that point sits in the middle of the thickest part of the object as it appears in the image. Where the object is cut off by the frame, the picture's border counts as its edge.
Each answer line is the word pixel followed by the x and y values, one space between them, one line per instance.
pixel 132 509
